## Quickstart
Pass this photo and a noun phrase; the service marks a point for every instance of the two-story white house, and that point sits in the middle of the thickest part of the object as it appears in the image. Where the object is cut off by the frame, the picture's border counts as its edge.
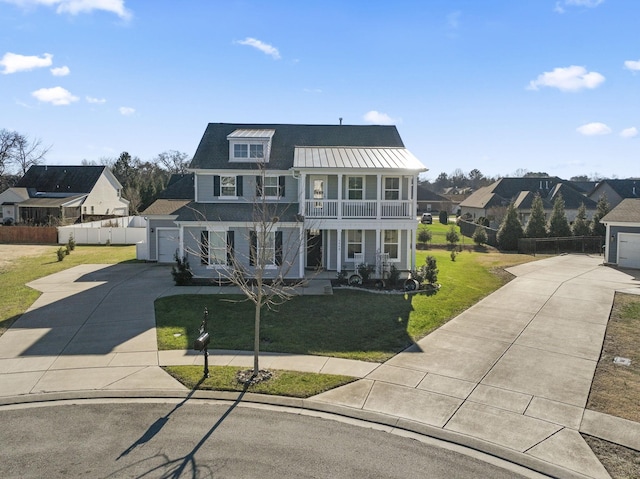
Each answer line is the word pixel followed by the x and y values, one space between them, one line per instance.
pixel 335 196
pixel 64 194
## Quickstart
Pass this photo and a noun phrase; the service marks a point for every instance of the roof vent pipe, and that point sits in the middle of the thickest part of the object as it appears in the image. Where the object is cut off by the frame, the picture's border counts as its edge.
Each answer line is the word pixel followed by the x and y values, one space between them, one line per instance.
pixel 340 121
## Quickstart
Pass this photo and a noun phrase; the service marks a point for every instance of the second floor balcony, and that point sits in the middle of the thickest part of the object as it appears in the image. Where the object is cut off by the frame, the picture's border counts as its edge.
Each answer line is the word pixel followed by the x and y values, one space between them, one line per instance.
pixel 339 209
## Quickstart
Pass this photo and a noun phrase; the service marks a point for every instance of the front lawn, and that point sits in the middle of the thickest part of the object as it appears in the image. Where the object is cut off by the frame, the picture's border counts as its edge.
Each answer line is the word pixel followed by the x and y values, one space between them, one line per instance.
pixel 348 324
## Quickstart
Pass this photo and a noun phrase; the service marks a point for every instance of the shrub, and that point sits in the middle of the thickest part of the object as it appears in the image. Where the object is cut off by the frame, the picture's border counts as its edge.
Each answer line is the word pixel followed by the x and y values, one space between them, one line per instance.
pixel 71 243
pixel 181 271
pixel 424 236
pixel 341 277
pixel 394 275
pixel 365 271
pixel 452 236
pixel 429 270
pixel 479 236
pixel 61 253
pixel 67 250
pixel 443 216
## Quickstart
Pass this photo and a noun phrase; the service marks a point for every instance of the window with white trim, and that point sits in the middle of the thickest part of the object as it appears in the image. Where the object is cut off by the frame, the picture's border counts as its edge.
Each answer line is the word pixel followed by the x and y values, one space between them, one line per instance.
pixel 354 243
pixel 214 247
pixel 355 188
pixel 270 186
pixel 228 186
pixel 247 151
pixel 391 241
pixel 392 188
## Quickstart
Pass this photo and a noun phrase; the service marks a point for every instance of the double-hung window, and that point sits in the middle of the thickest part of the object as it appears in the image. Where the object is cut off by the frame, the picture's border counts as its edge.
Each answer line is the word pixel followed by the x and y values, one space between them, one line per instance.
pixel 228 186
pixel 266 249
pixel 216 247
pixel 355 188
pixel 354 243
pixel 270 186
pixel 392 188
pixel 391 239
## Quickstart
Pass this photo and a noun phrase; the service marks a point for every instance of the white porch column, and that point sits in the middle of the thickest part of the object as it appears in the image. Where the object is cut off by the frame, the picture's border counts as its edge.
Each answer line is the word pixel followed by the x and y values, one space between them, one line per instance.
pixel 411 243
pixel 339 250
pixel 340 175
pixel 302 194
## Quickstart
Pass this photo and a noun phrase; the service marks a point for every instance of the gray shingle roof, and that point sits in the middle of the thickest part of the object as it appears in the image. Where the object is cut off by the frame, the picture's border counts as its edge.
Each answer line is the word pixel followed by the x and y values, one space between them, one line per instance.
pixel 286 212
pixel 60 179
pixel 213 150
pixel 627 211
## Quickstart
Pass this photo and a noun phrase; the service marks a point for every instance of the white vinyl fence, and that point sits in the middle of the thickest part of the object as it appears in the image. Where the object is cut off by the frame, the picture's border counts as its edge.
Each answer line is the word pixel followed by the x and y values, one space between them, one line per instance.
pixel 125 230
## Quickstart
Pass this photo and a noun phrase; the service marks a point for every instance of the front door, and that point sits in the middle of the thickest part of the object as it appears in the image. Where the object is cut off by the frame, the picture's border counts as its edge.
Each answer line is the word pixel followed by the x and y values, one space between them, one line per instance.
pixel 314 249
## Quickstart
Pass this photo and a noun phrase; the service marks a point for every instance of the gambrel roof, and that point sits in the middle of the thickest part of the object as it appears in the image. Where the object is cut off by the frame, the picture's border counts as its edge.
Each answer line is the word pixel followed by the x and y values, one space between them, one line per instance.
pixel 213 150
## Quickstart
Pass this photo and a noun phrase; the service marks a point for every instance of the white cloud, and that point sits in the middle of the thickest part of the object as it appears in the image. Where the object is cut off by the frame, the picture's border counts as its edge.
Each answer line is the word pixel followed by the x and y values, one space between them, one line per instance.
pixel 571 78
pixel 13 62
pixel 312 90
pixel 91 99
pixel 126 110
pixel 629 132
pixel 56 96
pixel 378 118
pixel 74 7
pixel 60 71
pixel 263 47
pixel 593 129
pixel 559 8
pixel 633 65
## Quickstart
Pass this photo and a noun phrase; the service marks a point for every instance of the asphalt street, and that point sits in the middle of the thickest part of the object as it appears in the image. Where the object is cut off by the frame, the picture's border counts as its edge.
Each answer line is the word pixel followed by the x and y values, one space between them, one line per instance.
pixel 214 440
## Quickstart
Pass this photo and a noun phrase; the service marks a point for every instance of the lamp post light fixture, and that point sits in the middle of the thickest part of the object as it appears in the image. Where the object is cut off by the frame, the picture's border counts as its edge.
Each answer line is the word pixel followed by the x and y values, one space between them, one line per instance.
pixel 202 341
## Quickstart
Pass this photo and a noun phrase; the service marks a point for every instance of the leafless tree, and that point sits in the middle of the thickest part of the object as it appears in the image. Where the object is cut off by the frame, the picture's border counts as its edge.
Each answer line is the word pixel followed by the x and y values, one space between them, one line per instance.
pixel 173 161
pixel 7 149
pixel 29 152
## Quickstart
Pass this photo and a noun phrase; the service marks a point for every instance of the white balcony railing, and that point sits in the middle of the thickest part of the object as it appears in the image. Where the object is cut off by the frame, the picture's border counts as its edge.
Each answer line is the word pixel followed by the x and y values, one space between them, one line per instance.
pixel 358 209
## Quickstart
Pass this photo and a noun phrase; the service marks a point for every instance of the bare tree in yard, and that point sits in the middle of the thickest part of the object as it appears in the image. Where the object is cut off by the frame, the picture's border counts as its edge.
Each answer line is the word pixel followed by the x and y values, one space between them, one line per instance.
pixel 272 255
pixel 173 161
pixel 29 152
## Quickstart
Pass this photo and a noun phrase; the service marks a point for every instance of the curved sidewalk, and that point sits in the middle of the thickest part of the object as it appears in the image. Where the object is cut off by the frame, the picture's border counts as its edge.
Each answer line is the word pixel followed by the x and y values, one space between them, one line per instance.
pixel 512 373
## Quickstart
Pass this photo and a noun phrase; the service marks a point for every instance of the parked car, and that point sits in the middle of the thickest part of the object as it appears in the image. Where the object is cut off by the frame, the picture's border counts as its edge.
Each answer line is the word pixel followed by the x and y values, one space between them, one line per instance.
pixel 427 219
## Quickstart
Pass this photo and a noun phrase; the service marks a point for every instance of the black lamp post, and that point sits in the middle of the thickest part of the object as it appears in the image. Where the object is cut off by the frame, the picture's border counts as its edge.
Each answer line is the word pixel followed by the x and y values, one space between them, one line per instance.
pixel 202 342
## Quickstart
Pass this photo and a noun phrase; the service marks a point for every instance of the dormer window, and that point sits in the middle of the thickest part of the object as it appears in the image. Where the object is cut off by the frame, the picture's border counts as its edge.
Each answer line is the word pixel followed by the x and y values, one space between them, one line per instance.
pixel 250 146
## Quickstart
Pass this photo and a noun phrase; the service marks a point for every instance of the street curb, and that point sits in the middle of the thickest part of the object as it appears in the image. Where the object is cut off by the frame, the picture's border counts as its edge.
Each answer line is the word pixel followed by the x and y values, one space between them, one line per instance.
pixel 475 444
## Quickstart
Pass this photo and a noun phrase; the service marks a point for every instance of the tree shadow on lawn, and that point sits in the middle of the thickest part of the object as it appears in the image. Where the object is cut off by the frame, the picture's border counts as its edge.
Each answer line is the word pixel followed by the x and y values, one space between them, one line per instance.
pixel 349 323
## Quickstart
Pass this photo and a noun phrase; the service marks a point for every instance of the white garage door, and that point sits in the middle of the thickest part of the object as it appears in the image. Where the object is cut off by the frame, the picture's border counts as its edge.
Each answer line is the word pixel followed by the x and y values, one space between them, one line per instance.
pixel 629 250
pixel 168 240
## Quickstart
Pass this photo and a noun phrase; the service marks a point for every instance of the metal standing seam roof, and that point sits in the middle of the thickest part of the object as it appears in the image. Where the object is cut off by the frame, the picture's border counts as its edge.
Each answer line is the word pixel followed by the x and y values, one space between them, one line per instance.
pixel 355 157
pixel 251 133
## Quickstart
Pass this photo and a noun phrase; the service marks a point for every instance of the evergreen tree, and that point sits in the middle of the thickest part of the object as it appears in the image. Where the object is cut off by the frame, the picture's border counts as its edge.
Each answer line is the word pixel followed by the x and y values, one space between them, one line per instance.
pixel 581 225
pixel 537 225
pixel 558 224
pixel 602 208
pixel 510 230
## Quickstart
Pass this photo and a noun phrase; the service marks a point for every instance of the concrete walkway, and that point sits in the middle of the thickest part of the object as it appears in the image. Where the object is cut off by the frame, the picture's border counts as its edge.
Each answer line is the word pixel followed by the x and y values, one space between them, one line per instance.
pixel 510 376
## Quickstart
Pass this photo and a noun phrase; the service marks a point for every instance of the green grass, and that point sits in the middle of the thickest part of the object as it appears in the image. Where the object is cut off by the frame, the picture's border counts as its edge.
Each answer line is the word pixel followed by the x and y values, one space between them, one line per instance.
pixel 16 298
pixel 282 383
pixel 349 324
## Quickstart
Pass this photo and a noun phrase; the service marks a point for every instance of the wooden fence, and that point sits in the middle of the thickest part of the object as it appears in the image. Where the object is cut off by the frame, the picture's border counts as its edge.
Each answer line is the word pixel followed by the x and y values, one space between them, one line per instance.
pixel 28 234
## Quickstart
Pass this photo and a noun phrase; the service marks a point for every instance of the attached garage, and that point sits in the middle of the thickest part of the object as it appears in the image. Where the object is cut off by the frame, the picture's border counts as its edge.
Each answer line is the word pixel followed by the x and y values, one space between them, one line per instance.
pixel 168 242
pixel 629 250
pixel 623 234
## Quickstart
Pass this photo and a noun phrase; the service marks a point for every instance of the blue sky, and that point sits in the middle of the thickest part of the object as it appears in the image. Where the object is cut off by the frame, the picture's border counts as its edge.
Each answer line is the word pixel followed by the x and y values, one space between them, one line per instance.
pixel 498 85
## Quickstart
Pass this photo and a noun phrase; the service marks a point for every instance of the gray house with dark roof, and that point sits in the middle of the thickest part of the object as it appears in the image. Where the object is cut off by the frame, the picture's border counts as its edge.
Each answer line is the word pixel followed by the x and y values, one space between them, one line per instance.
pixel 622 243
pixel 65 194
pixel 616 191
pixel 338 196
pixel 491 201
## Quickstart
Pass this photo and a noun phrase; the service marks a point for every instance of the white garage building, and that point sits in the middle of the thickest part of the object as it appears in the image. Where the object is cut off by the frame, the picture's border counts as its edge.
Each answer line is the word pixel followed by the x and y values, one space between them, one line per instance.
pixel 623 234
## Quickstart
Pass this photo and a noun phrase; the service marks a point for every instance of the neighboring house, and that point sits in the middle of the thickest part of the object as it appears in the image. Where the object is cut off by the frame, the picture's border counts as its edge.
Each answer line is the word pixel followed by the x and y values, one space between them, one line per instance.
pixel 622 243
pixel 67 194
pixel 340 195
pixel 429 201
pixel 615 191
pixel 490 201
pixel 9 201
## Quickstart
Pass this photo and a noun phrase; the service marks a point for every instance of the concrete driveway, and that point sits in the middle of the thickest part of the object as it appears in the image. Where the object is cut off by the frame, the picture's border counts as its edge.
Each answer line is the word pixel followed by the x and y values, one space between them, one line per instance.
pixel 510 376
